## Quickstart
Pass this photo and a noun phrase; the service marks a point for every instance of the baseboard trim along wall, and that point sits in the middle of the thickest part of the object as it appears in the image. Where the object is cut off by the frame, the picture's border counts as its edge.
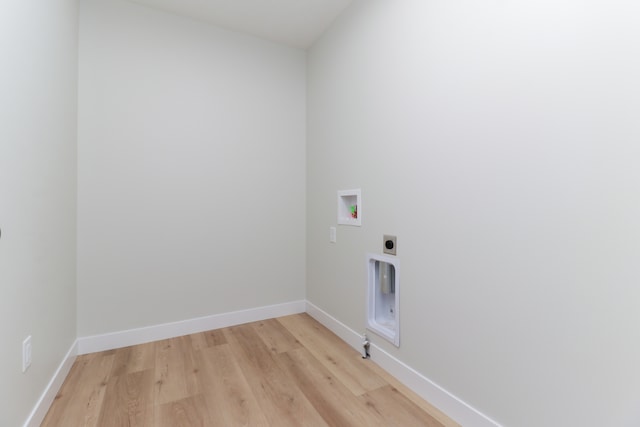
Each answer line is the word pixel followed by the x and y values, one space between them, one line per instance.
pixel 49 394
pixel 446 402
pixel 147 334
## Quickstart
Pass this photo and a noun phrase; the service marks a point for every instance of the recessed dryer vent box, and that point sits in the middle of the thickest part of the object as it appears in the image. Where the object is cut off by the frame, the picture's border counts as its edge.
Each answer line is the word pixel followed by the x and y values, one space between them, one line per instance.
pixel 350 207
pixel 383 299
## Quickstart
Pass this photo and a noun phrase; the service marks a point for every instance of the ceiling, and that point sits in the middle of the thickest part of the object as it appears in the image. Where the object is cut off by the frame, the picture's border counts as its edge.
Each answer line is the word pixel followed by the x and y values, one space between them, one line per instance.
pixel 295 23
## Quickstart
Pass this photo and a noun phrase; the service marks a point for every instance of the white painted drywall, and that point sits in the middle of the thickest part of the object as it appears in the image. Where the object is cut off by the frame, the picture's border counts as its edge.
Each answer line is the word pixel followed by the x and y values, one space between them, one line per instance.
pixel 38 105
pixel 296 23
pixel 191 169
pixel 500 142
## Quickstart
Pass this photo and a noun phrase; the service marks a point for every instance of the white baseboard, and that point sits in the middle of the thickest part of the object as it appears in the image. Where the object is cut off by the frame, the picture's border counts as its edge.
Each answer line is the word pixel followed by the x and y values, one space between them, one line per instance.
pixel 129 337
pixel 454 407
pixel 446 402
pixel 39 411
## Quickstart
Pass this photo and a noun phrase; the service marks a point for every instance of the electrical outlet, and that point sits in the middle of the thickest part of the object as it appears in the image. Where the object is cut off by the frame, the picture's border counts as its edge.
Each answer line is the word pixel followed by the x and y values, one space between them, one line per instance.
pixel 26 353
pixel 389 244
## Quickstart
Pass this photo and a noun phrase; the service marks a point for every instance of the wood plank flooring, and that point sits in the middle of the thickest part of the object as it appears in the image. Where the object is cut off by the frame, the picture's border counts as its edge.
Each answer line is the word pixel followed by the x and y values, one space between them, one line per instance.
pixel 289 371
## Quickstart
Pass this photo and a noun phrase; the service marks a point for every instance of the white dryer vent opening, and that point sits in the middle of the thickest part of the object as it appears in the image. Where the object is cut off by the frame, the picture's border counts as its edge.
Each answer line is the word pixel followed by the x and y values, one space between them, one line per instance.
pixel 383 315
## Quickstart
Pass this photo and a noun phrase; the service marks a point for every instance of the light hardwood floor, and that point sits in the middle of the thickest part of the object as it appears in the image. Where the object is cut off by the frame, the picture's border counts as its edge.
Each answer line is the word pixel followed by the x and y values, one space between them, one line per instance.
pixel 289 371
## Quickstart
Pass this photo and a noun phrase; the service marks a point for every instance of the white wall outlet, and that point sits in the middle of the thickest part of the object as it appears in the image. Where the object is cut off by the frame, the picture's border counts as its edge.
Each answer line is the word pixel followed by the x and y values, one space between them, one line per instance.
pixel 332 234
pixel 26 353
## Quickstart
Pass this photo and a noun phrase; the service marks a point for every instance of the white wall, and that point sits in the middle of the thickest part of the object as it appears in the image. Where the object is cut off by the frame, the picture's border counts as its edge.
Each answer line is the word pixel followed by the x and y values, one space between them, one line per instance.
pixel 500 142
pixel 191 169
pixel 38 41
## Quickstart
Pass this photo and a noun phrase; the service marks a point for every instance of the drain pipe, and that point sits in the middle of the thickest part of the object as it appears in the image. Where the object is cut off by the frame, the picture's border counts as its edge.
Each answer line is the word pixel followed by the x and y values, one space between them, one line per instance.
pixel 365 346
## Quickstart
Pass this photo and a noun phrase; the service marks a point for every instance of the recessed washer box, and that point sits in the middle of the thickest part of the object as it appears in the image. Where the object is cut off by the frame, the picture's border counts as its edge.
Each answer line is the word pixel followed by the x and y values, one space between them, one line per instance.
pixel 350 207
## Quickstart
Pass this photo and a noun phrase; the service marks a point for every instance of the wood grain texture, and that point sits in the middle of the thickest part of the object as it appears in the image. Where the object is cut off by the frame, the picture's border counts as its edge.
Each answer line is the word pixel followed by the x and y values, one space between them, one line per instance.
pixel 282 402
pixel 275 337
pixel 289 371
pixel 396 410
pixel 229 398
pixel 173 371
pixel 128 400
pixel 80 400
pixel 343 362
pixel 133 359
pixel 337 405
pixel 413 396
pixel 188 412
